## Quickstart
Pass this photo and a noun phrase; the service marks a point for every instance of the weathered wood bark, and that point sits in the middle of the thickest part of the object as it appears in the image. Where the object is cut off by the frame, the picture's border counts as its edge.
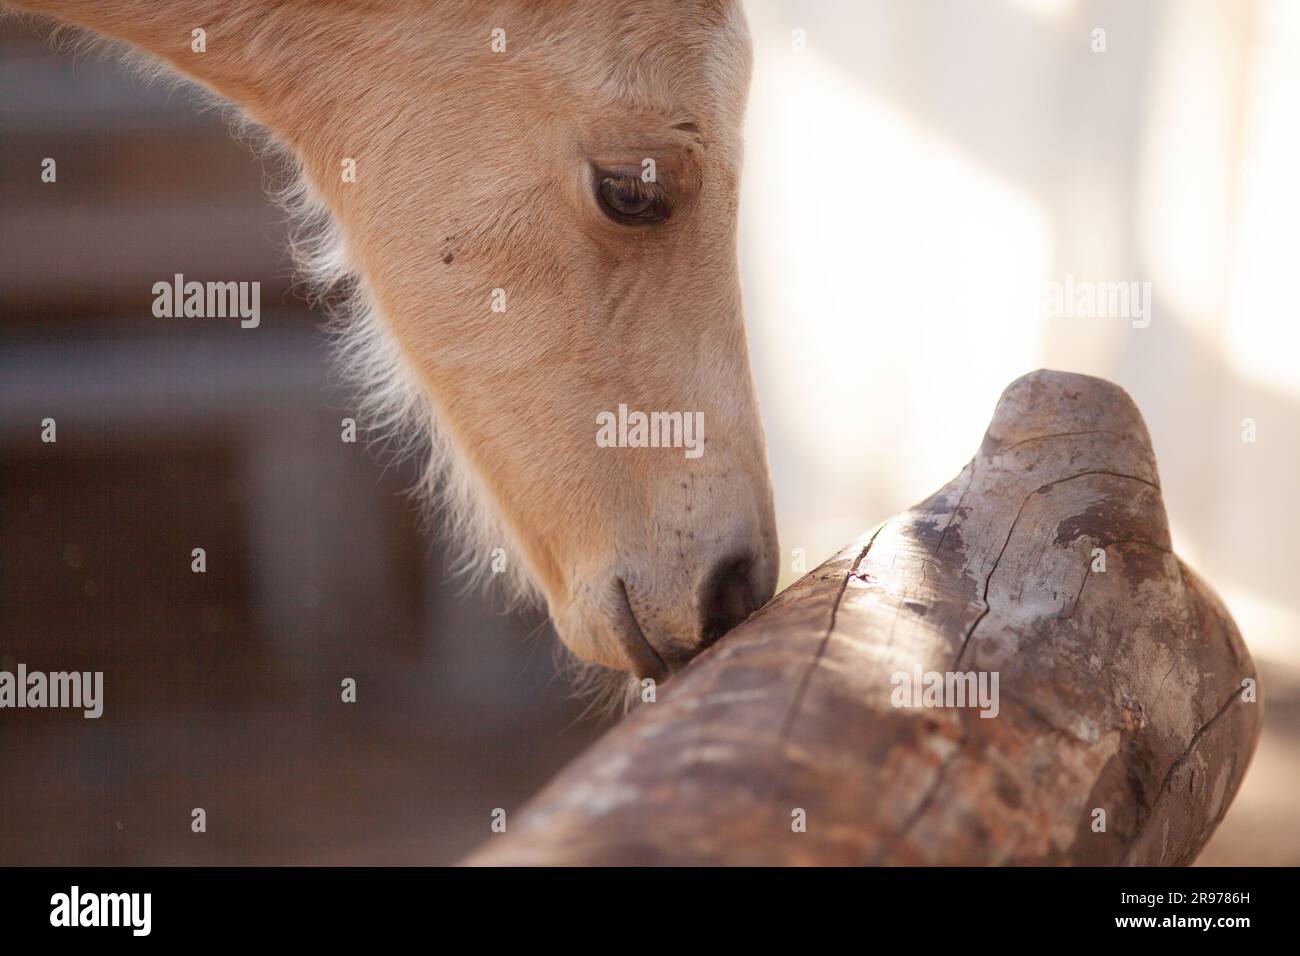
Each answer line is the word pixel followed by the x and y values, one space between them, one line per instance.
pixel 1120 690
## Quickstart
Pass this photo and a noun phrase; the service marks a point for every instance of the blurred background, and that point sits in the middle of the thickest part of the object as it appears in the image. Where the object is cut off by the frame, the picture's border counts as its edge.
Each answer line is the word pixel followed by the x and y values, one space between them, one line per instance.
pixel 224 687
pixel 917 173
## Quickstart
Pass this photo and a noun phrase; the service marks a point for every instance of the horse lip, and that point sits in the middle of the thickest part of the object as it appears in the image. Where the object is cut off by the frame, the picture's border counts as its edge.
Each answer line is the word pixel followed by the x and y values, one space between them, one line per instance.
pixel 646 661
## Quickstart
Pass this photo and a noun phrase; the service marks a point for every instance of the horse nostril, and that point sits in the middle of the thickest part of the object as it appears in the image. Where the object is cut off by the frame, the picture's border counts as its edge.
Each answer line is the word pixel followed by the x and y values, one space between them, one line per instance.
pixel 726 597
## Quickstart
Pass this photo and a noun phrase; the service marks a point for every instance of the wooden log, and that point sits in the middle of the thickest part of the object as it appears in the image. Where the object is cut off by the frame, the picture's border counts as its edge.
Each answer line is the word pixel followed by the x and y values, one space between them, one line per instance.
pixel 1125 691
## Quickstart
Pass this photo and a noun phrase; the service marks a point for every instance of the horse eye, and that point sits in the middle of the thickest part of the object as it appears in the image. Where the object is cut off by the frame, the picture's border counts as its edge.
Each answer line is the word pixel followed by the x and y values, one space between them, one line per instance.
pixel 631 201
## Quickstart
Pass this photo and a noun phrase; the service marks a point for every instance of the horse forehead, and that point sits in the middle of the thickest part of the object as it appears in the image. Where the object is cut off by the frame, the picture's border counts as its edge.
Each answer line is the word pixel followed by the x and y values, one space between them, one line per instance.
pixel 681 23
pixel 675 53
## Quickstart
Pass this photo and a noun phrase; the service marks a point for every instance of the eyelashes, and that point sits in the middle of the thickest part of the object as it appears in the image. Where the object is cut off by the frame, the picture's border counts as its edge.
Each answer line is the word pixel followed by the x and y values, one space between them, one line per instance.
pixel 627 199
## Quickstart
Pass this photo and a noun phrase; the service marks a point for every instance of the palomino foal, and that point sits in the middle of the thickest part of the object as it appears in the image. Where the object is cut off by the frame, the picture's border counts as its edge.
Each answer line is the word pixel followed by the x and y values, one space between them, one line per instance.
pixel 535 203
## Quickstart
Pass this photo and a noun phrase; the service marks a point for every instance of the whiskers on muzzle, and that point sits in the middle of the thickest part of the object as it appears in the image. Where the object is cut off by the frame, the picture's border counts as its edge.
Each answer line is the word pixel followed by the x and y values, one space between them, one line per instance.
pixel 608 694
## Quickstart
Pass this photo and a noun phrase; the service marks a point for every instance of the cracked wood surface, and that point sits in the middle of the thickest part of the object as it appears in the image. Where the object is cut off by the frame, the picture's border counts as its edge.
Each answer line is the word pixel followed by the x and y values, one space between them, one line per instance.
pixel 1119 690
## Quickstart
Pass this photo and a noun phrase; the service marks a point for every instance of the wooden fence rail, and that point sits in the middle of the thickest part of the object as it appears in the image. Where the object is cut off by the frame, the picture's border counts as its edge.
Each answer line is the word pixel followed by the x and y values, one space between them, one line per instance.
pixel 1018 670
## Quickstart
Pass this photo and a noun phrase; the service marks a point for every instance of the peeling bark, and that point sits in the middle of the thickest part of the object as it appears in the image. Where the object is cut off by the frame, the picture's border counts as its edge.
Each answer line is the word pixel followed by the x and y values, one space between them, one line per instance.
pixel 1118 690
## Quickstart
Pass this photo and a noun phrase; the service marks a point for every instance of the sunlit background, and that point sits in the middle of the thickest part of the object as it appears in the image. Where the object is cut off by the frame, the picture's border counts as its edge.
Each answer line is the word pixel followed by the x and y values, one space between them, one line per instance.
pixel 916 172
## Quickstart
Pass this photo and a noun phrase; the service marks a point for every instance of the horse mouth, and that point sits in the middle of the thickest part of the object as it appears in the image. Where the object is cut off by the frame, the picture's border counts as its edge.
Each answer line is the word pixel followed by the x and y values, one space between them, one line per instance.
pixel 646 661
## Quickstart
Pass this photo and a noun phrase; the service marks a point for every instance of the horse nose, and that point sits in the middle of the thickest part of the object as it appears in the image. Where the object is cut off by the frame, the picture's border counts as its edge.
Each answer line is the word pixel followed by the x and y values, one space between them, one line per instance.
pixel 728 595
